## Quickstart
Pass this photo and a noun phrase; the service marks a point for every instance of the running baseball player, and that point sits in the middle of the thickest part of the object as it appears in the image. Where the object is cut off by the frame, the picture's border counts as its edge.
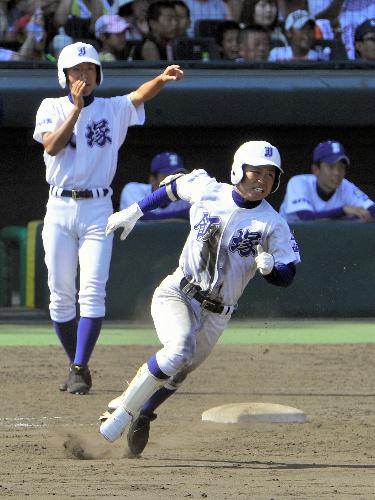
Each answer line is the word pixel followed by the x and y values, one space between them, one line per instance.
pixel 81 135
pixel 234 232
pixel 326 194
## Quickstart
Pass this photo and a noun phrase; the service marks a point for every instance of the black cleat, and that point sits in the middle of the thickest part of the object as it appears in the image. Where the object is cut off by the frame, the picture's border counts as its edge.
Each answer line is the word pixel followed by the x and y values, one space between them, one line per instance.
pixel 79 380
pixel 138 434
pixel 64 385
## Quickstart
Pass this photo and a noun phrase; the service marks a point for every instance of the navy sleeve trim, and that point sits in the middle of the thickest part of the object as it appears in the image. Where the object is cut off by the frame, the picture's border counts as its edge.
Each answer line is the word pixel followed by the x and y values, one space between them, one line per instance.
pixel 335 213
pixel 282 275
pixel 158 198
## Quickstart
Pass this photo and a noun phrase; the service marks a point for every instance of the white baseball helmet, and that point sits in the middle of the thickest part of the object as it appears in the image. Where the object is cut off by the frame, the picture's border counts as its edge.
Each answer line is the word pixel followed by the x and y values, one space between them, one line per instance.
pixel 256 153
pixel 74 54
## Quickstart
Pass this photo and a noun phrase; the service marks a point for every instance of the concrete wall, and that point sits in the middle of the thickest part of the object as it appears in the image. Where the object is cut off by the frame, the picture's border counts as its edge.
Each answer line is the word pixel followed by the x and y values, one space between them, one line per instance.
pixel 334 279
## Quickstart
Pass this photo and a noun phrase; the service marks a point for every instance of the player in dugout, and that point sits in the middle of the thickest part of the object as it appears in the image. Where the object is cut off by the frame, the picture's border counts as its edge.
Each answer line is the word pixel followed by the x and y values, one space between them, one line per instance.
pixel 234 231
pixel 326 194
pixel 162 165
pixel 81 135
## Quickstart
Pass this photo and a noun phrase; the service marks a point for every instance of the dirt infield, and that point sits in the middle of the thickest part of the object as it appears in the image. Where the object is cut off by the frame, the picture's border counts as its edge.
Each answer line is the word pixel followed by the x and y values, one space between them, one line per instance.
pixel 51 446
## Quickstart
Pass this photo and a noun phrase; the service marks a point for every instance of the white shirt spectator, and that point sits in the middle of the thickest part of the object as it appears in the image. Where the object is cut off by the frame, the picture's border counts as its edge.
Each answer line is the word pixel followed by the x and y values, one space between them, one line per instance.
pixel 286 54
pixel 353 13
pixel 6 55
pixel 211 9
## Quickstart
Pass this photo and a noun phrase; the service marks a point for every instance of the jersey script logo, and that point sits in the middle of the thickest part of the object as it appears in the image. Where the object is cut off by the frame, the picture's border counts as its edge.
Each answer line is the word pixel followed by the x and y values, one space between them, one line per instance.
pixel 245 242
pixel 97 133
pixel 206 226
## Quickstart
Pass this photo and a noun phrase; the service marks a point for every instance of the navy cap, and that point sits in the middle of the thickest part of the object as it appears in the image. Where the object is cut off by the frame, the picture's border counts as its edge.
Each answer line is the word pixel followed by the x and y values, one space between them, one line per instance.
pixel 362 29
pixel 167 163
pixel 330 152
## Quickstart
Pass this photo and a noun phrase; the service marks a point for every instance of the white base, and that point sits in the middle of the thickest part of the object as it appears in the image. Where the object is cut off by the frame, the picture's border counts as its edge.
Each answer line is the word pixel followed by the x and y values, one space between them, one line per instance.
pixel 253 412
pixel 115 425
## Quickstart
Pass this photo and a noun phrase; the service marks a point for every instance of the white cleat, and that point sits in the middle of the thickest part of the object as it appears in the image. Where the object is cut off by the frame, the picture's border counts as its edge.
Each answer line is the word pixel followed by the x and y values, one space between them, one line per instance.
pixel 115 424
pixel 115 403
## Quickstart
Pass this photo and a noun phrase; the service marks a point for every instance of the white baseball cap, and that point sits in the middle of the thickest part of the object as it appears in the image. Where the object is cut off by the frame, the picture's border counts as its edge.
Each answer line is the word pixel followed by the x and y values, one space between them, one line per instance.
pixel 298 19
pixel 256 153
pixel 110 23
pixel 74 54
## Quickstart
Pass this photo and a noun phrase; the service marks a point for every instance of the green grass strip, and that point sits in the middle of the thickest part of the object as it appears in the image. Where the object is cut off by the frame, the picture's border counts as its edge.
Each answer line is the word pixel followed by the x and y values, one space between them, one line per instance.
pixel 274 331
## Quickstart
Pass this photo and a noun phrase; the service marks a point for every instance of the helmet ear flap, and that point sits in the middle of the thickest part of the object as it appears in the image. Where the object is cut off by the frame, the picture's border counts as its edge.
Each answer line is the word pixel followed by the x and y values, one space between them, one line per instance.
pixel 236 174
pixel 99 75
pixel 276 182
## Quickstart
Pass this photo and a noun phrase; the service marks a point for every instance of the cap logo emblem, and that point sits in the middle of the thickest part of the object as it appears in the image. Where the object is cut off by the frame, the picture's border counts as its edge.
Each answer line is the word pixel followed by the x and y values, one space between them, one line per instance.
pixel 173 160
pixel 82 51
pixel 335 147
pixel 268 152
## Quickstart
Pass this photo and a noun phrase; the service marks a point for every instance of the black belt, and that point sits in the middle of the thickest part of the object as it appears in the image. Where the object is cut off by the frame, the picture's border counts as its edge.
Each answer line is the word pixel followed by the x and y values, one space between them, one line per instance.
pixel 81 194
pixel 208 305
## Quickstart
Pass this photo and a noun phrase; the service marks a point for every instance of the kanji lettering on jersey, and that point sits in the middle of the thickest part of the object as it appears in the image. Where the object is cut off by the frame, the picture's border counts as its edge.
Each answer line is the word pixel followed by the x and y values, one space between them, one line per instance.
pixel 245 242
pixel 98 134
pixel 206 225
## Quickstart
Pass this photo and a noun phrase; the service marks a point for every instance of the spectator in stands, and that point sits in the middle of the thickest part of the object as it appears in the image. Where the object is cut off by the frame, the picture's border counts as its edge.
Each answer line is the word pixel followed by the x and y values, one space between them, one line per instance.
pixel 365 41
pixel 162 165
pixel 234 8
pixel 135 13
pixel 110 30
pixel 326 194
pixel 31 37
pixel 300 30
pixel 253 44
pixel 286 7
pixel 226 38
pixel 183 18
pixel 344 17
pixel 33 28
pixel 265 13
pixel 78 17
pixel 205 9
pixel 13 10
pixel 48 8
pixel 157 46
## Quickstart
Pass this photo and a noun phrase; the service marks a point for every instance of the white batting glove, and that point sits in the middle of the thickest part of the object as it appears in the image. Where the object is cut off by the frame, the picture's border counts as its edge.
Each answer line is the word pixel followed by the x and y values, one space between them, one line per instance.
pixel 265 261
pixel 126 219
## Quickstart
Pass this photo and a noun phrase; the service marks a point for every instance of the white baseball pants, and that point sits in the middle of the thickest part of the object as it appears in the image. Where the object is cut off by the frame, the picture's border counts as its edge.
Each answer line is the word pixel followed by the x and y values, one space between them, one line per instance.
pixel 74 231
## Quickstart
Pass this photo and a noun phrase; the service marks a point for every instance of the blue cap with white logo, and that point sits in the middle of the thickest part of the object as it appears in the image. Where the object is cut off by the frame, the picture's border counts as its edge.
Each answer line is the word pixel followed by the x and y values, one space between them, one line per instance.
pixel 330 152
pixel 167 163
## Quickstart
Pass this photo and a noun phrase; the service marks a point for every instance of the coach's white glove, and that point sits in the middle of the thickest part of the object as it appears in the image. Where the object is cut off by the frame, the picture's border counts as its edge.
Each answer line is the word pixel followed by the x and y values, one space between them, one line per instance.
pixel 265 261
pixel 126 219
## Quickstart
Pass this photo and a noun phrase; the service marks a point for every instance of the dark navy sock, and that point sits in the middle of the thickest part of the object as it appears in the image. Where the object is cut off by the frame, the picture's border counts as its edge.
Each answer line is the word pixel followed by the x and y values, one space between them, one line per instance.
pixel 87 335
pixel 156 400
pixel 67 333
pixel 154 368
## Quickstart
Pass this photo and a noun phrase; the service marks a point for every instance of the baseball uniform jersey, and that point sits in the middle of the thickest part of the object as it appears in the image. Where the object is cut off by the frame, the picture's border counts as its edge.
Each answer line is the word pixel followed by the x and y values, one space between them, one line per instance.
pixel 219 259
pixel 135 191
pixel 75 229
pixel 301 194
